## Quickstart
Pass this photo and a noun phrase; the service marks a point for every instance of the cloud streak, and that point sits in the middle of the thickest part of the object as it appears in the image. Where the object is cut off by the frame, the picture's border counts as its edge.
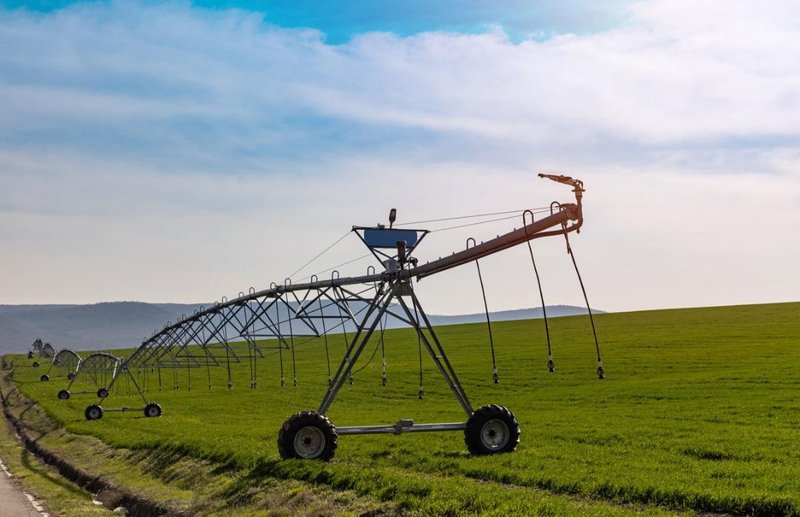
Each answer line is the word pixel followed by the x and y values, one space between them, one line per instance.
pixel 178 79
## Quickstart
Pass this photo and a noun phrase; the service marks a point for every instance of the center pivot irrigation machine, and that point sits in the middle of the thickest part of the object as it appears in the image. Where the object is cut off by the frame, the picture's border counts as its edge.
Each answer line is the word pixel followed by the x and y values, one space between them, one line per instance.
pixel 215 336
pixel 45 351
pixel 66 363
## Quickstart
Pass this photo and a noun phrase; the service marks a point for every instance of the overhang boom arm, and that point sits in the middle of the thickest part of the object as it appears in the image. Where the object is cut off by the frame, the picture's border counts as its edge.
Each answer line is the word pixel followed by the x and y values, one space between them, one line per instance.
pixel 568 212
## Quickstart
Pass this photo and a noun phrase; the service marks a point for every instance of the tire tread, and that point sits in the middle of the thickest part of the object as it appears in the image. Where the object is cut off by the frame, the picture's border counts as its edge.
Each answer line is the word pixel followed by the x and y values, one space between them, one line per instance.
pixel 304 419
pixel 479 417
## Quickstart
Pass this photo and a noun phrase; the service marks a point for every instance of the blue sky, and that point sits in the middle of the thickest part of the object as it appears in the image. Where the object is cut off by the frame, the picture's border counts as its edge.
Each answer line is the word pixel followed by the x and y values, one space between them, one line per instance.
pixel 341 20
pixel 146 145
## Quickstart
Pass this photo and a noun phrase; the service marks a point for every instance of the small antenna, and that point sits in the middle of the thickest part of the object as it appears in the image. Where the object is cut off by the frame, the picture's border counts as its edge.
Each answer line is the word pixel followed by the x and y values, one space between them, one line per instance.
pixel 392 216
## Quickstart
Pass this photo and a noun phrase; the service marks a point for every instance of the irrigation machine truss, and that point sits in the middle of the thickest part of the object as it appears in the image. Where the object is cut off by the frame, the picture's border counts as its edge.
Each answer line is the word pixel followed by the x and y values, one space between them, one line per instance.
pixel 288 312
pixel 65 363
pixel 44 350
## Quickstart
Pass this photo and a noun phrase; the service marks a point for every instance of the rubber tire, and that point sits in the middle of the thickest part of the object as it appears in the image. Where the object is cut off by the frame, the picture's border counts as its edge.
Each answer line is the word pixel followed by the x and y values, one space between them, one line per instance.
pixel 44 378
pixel 307 422
pixel 491 415
pixel 36 364
pixel 71 375
pixel 30 355
pixel 93 412
pixel 102 393
pixel 63 395
pixel 152 410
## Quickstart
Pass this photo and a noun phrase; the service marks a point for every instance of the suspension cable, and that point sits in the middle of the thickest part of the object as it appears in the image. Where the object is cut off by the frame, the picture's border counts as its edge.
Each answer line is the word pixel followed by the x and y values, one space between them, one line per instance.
pixel 471 216
pixel 495 377
pixel 383 351
pixel 251 355
pixel 318 255
pixel 421 393
pixel 291 340
pixel 551 365
pixel 371 357
pixel 280 344
pixel 332 268
pixel 325 337
pixel 227 353
pixel 208 362
pixel 252 348
pixel 344 330
pixel 600 371
pixel 468 225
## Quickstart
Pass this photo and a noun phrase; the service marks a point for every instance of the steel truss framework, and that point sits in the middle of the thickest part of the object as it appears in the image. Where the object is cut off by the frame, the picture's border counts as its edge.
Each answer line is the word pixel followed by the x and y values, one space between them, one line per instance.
pixel 288 314
pixel 215 337
pixel 66 364
pixel 36 347
pixel 47 351
pixel 44 350
pixel 99 368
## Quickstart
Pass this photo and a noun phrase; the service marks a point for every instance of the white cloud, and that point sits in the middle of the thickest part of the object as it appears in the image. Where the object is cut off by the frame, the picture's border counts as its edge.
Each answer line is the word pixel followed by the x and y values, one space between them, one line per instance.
pixel 163 152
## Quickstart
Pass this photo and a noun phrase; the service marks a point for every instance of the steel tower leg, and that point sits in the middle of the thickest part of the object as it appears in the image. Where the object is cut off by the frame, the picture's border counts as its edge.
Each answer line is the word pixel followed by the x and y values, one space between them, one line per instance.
pixel 379 303
pixel 437 352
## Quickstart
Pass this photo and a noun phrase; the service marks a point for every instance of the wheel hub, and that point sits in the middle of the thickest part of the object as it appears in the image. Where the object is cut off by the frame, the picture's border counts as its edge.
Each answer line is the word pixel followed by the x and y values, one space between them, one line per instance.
pixel 309 442
pixel 494 434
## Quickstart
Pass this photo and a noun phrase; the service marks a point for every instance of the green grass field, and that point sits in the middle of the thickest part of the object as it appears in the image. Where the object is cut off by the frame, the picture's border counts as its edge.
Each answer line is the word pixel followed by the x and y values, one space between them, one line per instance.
pixel 699 411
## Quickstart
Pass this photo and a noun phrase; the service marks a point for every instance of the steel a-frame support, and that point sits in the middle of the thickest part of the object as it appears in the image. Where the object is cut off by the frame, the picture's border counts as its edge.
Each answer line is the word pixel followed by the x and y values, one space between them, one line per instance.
pixel 400 290
pixel 123 370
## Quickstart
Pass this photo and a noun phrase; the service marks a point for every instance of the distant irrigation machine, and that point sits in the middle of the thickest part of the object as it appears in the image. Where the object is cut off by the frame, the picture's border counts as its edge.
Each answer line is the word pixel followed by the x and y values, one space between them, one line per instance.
pixel 283 313
pixel 65 364
pixel 42 349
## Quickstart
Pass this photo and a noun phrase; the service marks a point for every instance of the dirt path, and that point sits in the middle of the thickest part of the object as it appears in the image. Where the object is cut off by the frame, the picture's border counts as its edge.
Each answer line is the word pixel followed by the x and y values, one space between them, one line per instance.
pixel 13 503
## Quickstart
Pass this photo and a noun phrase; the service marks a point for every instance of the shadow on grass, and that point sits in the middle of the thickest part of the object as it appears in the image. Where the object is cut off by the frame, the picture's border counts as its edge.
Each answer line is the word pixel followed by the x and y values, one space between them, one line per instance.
pixel 31 463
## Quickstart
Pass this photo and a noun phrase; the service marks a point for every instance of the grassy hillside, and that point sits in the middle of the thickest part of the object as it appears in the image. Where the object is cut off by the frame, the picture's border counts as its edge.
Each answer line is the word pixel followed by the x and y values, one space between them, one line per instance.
pixel 699 411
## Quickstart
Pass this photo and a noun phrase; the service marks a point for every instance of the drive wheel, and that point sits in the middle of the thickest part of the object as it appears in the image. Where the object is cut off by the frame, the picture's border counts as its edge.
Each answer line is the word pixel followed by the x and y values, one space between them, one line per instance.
pixel 102 393
pixel 70 375
pixel 44 378
pixel 152 410
pixel 36 364
pixel 93 412
pixel 63 395
pixel 307 435
pixel 490 430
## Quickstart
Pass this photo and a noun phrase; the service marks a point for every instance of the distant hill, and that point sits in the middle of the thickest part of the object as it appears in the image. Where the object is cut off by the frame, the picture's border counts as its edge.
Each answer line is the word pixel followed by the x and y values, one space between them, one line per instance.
pixel 97 326
pixel 553 311
pixel 125 324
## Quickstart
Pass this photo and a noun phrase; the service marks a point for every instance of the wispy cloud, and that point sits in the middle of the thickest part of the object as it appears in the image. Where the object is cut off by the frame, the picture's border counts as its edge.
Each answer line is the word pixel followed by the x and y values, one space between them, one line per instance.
pixel 182 82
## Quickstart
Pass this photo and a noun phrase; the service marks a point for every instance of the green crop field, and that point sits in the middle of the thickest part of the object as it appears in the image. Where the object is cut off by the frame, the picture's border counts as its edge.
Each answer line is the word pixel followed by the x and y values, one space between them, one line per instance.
pixel 699 411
